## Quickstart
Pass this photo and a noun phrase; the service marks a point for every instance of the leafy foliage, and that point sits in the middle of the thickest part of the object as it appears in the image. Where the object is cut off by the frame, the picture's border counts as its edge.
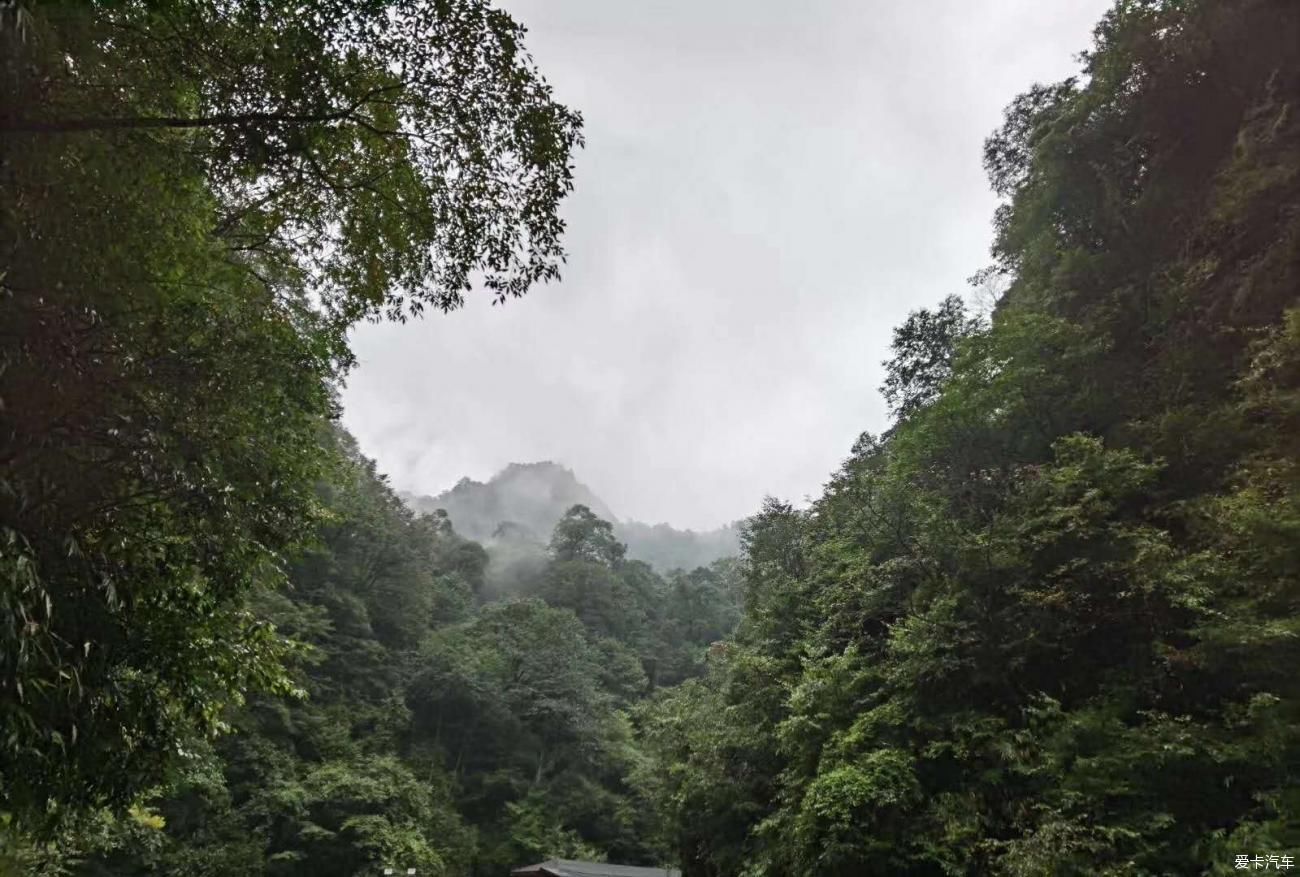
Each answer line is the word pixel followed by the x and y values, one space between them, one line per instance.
pixel 924 347
pixel 197 200
pixel 429 727
pixel 1045 624
pixel 390 148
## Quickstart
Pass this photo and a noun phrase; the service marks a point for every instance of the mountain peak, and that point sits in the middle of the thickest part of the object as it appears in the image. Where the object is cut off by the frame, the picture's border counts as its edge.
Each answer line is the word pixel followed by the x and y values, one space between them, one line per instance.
pixel 528 495
pixel 532 497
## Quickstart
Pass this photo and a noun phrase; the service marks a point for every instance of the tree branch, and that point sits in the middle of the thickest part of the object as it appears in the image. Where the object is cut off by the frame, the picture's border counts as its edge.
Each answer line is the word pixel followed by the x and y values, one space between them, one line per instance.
pixel 220 120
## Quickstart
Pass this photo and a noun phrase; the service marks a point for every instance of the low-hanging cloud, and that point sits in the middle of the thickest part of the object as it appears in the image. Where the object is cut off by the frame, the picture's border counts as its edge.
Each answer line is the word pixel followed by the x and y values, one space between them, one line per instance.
pixel 768 188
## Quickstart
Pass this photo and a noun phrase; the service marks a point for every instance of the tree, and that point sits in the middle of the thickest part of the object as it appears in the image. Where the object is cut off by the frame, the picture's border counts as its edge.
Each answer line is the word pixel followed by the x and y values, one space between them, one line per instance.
pixel 197 200
pixel 597 595
pixel 700 608
pixel 321 779
pixel 534 676
pixel 388 149
pixel 924 348
pixel 355 816
pixel 1045 623
pixel 580 535
pixel 519 704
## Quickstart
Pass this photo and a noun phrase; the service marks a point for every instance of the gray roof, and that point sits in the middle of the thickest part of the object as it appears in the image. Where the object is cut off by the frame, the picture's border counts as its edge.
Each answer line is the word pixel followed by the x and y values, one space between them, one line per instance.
pixel 570 868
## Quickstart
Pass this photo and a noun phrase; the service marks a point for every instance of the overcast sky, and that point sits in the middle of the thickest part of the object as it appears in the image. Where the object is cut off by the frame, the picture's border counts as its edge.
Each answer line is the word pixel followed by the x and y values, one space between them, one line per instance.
pixel 767 189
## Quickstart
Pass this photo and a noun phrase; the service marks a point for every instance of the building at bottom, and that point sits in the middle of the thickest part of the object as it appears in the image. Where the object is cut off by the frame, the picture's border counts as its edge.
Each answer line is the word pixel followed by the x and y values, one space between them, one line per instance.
pixel 571 868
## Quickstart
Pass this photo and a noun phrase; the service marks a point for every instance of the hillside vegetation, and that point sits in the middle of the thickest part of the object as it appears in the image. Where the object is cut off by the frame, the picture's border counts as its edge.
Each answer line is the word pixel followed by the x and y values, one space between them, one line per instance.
pixel 1047 623
pixel 426 725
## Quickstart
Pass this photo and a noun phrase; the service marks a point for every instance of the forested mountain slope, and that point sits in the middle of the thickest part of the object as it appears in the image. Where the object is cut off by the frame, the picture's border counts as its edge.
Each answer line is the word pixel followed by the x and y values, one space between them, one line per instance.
pixel 197 202
pixel 426 727
pixel 1048 624
pixel 518 506
pixel 533 496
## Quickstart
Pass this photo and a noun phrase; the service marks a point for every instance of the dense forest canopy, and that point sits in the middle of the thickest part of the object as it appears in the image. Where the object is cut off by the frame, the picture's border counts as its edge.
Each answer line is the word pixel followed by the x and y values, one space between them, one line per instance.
pixel 426 726
pixel 199 200
pixel 1047 623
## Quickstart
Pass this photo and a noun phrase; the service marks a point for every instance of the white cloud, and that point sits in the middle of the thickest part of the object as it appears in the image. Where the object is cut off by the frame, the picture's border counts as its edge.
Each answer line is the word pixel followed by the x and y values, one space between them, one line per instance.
pixel 768 189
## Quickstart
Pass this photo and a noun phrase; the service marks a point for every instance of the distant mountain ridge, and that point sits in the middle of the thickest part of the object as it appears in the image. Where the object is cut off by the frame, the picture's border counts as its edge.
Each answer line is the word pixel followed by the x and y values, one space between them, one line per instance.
pixel 523 502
